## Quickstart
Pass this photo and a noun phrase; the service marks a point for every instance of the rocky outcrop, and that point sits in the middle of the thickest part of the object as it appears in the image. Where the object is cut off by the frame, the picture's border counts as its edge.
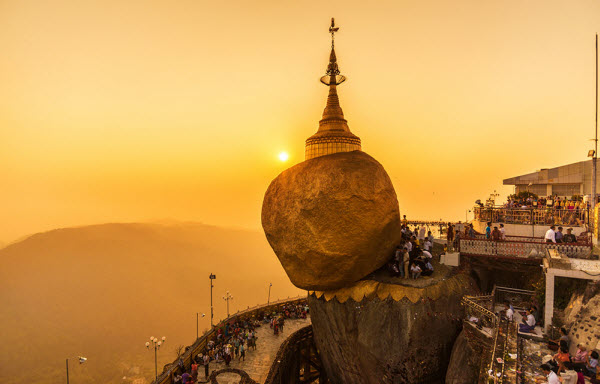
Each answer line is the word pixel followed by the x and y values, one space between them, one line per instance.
pixel 464 362
pixel 384 333
pixel 332 220
pixel 582 318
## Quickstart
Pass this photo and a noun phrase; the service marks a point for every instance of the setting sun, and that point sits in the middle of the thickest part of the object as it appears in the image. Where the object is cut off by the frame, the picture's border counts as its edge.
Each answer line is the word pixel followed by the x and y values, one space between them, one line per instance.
pixel 283 156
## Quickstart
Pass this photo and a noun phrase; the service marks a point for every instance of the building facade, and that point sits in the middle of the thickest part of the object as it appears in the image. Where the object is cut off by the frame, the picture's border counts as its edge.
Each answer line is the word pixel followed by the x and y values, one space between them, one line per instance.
pixel 564 181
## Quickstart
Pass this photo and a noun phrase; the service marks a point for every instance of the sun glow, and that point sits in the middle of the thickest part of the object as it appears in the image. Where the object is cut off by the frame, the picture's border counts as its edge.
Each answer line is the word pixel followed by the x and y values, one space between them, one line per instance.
pixel 283 156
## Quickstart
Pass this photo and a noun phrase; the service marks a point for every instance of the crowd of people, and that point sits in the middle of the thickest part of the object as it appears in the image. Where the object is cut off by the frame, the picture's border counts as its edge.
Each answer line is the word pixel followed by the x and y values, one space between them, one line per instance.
pixel 236 338
pixel 555 202
pixel 584 362
pixel 413 256
pixel 536 210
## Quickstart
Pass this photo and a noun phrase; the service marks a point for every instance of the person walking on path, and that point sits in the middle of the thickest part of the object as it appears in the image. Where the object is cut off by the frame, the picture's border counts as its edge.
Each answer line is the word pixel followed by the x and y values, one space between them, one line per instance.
pixel 206 361
pixel 242 352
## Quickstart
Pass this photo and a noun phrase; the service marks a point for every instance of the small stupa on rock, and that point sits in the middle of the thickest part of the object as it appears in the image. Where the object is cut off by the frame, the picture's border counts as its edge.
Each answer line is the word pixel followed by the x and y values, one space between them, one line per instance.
pixel 333 135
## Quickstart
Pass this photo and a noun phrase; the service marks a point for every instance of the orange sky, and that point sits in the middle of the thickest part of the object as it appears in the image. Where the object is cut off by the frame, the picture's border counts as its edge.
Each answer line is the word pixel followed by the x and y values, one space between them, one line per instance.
pixel 144 110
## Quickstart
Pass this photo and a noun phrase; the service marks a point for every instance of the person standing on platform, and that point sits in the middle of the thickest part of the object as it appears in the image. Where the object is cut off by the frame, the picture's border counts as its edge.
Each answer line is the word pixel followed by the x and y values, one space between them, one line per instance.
pixel 550 235
pixel 422 233
pixel 502 233
pixel 558 235
pixel 406 263
pixel 569 237
pixel 496 234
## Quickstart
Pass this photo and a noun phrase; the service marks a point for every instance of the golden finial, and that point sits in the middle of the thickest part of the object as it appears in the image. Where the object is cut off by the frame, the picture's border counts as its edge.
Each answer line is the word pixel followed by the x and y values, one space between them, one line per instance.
pixel 332 75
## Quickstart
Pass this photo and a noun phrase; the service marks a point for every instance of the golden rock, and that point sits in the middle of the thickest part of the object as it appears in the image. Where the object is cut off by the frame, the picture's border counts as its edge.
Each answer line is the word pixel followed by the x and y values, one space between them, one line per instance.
pixel 332 220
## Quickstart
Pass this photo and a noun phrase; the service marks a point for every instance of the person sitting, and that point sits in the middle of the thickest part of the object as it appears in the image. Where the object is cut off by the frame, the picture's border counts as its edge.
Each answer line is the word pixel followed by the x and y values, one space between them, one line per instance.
pixel 560 358
pixel 415 271
pixel 428 271
pixel 528 323
pixel 579 361
pixel 591 365
pixel 551 376
pixel 510 312
pixel 564 336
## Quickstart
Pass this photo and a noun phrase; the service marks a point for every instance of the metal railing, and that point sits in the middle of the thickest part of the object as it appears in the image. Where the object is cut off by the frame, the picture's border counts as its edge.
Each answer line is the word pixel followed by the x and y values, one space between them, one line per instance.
pixel 519 298
pixel 170 370
pixel 522 248
pixel 530 216
pixel 474 308
pixel 502 331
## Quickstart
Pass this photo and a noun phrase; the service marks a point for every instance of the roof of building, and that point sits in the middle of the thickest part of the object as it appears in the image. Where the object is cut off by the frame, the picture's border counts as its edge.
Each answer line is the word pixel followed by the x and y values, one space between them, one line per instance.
pixel 565 174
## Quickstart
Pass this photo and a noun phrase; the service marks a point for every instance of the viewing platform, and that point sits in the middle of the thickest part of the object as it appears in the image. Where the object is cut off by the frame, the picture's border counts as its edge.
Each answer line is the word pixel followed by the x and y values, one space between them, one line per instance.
pixel 532 221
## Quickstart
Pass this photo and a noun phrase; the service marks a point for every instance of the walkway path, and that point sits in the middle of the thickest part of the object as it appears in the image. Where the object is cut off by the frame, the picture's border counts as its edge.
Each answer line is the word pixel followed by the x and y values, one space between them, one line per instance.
pixel 258 363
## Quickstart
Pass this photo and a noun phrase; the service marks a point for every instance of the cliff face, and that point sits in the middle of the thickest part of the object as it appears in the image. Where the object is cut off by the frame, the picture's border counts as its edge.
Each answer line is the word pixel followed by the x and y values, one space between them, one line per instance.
pixel 395 334
pixel 464 362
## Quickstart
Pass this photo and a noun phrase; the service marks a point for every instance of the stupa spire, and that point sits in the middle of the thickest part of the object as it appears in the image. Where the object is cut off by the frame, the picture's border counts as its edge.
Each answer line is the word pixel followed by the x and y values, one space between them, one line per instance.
pixel 333 135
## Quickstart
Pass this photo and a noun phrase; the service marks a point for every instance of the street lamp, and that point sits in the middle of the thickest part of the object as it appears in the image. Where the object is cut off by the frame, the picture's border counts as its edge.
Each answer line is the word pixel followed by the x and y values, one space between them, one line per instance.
pixel 269 297
pixel 81 361
pixel 227 297
pixel 156 343
pixel 211 277
pixel 197 315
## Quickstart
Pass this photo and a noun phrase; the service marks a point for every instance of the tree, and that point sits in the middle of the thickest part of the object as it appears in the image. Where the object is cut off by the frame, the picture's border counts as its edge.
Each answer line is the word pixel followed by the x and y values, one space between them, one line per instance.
pixel 522 195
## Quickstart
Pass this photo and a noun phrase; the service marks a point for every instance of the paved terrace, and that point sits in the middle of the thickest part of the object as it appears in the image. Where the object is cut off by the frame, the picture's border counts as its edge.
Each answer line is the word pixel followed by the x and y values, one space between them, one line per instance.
pixel 257 363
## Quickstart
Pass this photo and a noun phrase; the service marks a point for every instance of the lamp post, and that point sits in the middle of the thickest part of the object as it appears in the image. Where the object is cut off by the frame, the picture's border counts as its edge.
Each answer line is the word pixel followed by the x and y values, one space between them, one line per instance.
pixel 81 361
pixel 595 154
pixel 197 316
pixel 269 297
pixel 211 277
pixel 156 343
pixel 227 297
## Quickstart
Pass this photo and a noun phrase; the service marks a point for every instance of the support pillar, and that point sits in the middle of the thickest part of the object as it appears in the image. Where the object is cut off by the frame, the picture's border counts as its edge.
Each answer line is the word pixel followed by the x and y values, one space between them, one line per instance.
pixel 549 310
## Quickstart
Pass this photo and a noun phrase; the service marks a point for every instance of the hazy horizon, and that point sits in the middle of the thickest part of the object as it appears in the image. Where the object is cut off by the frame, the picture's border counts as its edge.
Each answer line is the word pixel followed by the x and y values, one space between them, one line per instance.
pixel 129 113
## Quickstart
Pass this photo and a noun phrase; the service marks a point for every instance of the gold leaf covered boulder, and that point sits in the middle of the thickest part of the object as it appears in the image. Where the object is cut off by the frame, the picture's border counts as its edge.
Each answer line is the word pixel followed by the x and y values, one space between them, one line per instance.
pixel 332 220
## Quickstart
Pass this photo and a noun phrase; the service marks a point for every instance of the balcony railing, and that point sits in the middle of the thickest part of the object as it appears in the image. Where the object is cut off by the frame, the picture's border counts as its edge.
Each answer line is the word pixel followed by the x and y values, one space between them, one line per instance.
pixel 522 248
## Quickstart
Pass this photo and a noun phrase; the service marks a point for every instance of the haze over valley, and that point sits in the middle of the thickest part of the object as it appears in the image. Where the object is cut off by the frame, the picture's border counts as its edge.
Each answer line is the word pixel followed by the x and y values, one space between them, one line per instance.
pixel 101 291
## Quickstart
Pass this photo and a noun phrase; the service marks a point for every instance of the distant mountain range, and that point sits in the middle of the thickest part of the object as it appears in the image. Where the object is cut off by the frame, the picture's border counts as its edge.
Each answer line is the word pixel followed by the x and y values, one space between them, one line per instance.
pixel 101 291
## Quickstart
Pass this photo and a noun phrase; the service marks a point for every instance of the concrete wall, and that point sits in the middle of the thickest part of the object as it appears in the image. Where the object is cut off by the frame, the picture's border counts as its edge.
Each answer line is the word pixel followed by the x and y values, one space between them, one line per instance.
pixel 523 230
